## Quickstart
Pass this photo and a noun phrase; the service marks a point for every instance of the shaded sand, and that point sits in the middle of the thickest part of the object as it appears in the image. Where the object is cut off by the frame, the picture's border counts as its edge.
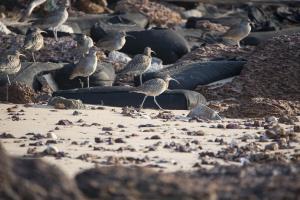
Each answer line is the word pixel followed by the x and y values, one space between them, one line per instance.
pixel 105 123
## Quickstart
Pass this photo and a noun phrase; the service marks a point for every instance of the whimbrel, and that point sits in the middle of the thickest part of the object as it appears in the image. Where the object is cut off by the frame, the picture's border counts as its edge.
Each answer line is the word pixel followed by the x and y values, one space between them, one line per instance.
pixel 154 88
pixel 238 32
pixel 11 65
pixel 86 66
pixel 139 64
pixel 84 43
pixel 34 41
pixel 31 7
pixel 57 18
pixel 112 41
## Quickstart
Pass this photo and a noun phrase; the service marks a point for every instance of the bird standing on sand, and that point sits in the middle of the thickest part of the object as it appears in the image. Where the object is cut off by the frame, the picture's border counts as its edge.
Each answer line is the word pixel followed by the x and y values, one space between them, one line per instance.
pixel 30 8
pixel 86 66
pixel 11 65
pixel 139 64
pixel 84 43
pixel 34 41
pixel 238 32
pixel 56 19
pixel 154 88
pixel 112 41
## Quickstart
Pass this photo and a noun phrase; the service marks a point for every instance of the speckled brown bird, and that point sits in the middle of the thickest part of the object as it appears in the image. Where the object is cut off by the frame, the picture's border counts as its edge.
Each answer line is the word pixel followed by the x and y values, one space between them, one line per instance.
pixel 154 88
pixel 139 64
pixel 11 65
pixel 238 32
pixel 34 41
pixel 112 41
pixel 86 66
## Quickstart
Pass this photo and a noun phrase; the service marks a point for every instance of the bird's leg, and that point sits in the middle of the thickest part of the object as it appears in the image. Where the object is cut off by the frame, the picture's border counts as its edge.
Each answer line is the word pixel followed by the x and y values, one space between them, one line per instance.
pixel 7 86
pixel 157 103
pixel 81 83
pixel 141 106
pixel 88 81
pixel 33 58
pixel 8 81
pixel 55 34
pixel 238 43
pixel 141 79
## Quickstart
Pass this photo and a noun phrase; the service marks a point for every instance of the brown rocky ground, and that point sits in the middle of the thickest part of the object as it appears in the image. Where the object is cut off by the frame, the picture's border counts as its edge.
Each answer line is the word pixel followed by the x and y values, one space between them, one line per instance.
pixel 269 80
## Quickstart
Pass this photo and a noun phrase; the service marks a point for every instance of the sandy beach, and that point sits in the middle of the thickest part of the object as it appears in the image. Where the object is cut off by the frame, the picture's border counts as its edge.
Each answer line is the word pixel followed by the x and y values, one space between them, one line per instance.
pixel 102 136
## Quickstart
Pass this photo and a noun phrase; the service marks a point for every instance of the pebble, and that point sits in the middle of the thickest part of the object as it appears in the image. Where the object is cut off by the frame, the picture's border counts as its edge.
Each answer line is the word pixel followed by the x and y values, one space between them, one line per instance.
pixel 64 122
pixel 232 126
pixel 119 140
pixel 6 136
pixel 107 129
pixel 297 129
pixel 271 119
pixel 52 136
pixel 51 150
pixel 272 147
pixel 155 137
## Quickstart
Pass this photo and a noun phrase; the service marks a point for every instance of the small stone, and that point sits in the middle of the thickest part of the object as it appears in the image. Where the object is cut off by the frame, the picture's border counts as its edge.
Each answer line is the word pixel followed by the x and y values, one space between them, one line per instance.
pixel 75 113
pixel 220 126
pixel 155 137
pixel 271 119
pixel 232 126
pixel 52 136
pixel 64 122
pixel 98 140
pixel 297 129
pixel 286 120
pixel 6 136
pixel 272 147
pixel 66 103
pixel 121 126
pixel 257 123
pixel 119 140
pixel 52 150
pixel 107 129
pixel 276 132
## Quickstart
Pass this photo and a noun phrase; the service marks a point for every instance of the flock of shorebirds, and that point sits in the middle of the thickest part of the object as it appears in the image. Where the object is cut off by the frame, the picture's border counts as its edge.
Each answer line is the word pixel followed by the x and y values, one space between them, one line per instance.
pixel 113 41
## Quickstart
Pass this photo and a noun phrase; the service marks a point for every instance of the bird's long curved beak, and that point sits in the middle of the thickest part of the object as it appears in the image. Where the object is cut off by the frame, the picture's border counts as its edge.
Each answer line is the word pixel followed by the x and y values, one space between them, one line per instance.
pixel 153 52
pixel 173 79
pixel 127 35
pixel 20 54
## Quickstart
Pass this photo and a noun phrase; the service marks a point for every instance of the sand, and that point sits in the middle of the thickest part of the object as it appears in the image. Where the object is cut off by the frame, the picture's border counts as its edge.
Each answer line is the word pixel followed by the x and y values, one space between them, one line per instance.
pixel 139 149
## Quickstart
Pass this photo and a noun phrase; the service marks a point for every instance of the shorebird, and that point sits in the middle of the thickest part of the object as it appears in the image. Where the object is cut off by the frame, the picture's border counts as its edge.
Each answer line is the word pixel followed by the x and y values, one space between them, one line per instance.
pixel 34 41
pixel 30 8
pixel 11 65
pixel 86 66
pixel 139 64
pixel 84 43
pixel 57 18
pixel 154 88
pixel 238 32
pixel 112 41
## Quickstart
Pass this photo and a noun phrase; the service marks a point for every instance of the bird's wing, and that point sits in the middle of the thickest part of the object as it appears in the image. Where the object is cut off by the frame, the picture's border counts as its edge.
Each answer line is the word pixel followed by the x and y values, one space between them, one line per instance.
pixel 28 42
pixel 151 85
pixel 133 66
pixel 234 32
pixel 31 7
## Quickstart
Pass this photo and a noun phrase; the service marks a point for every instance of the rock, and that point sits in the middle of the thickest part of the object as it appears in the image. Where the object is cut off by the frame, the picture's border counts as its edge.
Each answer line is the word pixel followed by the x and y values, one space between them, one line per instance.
pixel 204 112
pixel 34 179
pixel 119 140
pixel 272 147
pixel 232 126
pixel 192 13
pixel 276 132
pixel 271 119
pixel 286 120
pixel 64 122
pixel 6 136
pixel 67 103
pixel 155 137
pixel 52 136
pixel 297 128
pixel 51 150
